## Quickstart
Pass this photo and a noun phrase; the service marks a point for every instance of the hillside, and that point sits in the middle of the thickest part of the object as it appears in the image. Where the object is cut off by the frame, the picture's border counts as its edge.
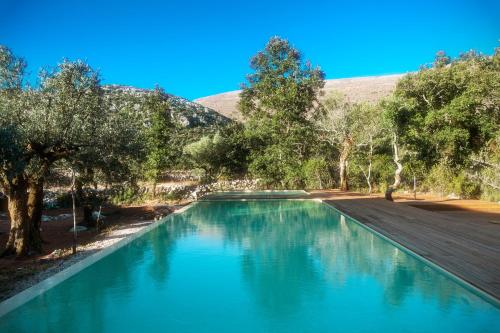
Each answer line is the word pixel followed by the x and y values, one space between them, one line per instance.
pixel 359 89
pixel 185 112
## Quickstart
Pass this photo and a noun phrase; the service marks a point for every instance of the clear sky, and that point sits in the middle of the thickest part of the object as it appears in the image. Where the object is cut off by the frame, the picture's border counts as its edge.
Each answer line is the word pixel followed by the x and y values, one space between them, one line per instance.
pixel 199 48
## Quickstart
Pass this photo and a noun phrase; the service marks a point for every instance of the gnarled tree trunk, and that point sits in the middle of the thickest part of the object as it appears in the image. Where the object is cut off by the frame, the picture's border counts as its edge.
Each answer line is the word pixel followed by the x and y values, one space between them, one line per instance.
pixel 344 155
pixel 397 173
pixel 35 208
pixel 20 226
pixel 368 173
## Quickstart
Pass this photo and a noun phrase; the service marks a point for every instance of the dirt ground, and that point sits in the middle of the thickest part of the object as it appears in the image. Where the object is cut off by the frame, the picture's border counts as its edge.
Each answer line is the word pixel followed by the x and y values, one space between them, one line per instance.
pixel 476 209
pixel 472 211
pixel 119 222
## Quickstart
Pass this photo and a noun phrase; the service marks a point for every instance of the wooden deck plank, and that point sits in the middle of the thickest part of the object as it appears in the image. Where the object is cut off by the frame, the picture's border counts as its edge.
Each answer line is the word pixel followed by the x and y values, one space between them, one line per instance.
pixel 461 244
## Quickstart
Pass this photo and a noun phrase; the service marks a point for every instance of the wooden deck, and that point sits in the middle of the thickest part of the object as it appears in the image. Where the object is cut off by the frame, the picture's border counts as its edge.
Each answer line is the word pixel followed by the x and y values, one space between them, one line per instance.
pixel 464 242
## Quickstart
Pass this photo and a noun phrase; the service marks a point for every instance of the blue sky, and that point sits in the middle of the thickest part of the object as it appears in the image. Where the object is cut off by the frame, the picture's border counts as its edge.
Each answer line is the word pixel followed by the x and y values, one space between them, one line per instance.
pixel 199 48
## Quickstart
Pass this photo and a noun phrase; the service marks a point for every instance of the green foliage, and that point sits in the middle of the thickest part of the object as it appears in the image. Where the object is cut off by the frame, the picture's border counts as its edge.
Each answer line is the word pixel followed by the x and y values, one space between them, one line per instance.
pixel 12 70
pixel 68 122
pixel 316 173
pixel 345 121
pixel 11 155
pixel 446 119
pixel 158 135
pixel 61 119
pixel 236 150
pixel 127 195
pixel 279 101
pixel 443 180
pixel 447 113
pixel 276 167
pixel 382 170
pixel 485 169
pixel 221 154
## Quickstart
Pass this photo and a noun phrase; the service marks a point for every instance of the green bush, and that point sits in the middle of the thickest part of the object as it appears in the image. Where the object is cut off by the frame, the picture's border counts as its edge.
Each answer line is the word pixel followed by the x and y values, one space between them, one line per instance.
pixel 316 173
pixel 445 180
pixel 490 194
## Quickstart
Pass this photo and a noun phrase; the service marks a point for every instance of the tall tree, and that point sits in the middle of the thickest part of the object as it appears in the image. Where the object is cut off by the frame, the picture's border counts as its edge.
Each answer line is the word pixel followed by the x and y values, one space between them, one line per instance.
pixel 370 135
pixel 446 114
pixel 341 127
pixel 62 119
pixel 449 112
pixel 159 135
pixel 50 123
pixel 279 101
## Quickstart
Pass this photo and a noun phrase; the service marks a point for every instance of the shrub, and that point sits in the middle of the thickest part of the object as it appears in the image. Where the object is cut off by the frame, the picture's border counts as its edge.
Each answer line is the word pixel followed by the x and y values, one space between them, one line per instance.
pixel 127 195
pixel 444 180
pixel 316 173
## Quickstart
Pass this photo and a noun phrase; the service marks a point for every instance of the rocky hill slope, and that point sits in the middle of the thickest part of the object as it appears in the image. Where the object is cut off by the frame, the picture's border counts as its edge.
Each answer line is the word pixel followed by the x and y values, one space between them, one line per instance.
pixel 185 112
pixel 358 89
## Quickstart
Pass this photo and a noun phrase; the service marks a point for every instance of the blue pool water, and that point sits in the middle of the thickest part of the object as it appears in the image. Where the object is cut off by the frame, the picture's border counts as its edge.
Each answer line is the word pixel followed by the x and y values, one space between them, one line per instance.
pixel 257 266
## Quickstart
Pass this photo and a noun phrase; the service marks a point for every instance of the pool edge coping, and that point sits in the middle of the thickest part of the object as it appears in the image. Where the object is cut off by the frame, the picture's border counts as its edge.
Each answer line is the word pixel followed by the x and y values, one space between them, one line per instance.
pixel 50 282
pixel 203 198
pixel 483 294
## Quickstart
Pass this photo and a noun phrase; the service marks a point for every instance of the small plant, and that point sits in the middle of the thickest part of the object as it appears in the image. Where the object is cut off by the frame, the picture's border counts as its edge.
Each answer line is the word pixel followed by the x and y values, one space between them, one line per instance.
pixel 127 196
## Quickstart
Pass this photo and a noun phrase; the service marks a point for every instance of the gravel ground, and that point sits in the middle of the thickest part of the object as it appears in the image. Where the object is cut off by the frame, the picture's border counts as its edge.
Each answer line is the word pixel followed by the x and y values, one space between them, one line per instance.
pixel 60 260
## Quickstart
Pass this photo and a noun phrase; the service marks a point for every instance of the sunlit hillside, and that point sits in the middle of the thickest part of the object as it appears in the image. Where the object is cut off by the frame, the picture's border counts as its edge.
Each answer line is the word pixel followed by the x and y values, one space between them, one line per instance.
pixel 358 89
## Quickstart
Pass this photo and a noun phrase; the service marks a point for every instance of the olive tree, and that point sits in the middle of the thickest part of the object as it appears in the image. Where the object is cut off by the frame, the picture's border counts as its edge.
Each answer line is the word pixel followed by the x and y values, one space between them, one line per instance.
pixel 224 153
pixel 64 118
pixel 48 124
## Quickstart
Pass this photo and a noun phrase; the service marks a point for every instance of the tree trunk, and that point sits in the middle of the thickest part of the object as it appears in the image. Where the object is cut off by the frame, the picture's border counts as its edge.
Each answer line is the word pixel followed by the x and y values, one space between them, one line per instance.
pixel 20 226
pixel 414 187
pixel 344 155
pixel 369 175
pixel 35 208
pixel 88 219
pixel 320 182
pixel 368 179
pixel 79 193
pixel 397 173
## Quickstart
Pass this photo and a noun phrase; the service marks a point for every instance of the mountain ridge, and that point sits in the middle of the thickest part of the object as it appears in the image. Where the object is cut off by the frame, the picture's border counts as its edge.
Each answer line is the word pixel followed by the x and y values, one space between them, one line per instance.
pixel 356 89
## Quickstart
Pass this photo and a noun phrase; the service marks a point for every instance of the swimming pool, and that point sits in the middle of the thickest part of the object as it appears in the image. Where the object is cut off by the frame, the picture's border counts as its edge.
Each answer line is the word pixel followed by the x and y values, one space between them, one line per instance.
pixel 257 266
